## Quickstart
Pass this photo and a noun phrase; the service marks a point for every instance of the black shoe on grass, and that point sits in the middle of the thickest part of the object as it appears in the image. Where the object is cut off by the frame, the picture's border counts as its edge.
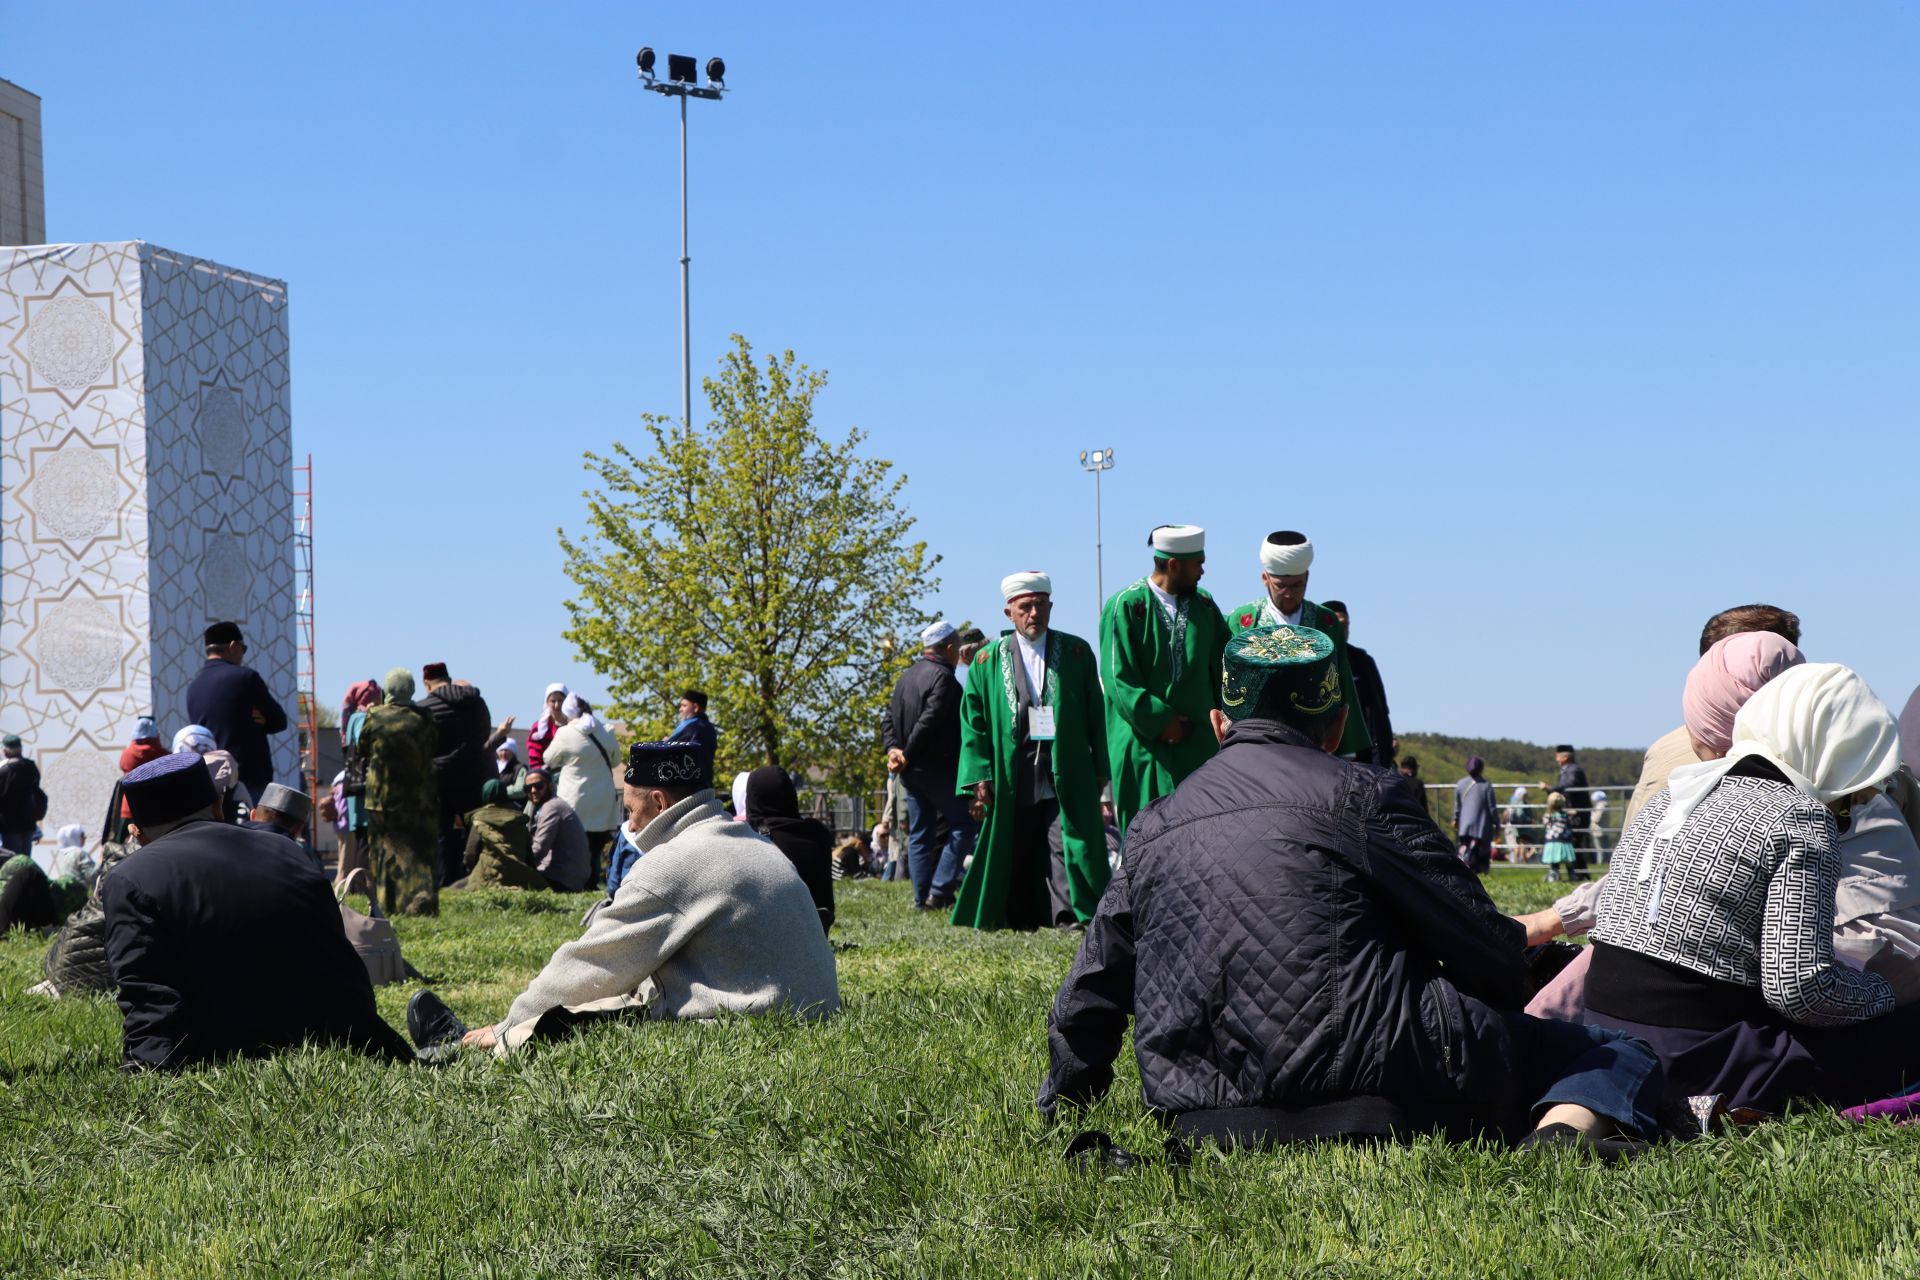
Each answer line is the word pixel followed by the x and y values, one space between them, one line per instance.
pixel 1565 1135
pixel 431 1023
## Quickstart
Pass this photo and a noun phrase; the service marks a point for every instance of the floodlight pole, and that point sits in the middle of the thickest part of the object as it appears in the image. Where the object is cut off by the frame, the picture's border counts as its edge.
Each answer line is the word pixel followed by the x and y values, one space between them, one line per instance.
pixel 684 89
pixel 1099 460
pixel 686 288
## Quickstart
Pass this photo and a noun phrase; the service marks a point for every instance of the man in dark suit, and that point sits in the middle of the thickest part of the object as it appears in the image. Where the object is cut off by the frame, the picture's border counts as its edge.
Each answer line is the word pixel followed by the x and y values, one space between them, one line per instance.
pixel 463 762
pixel 1572 783
pixel 226 942
pixel 236 706
pixel 694 726
pixel 1370 692
pixel 921 731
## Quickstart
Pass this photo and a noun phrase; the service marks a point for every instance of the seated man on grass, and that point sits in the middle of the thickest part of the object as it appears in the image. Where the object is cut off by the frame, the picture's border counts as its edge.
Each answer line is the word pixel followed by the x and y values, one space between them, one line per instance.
pixel 224 941
pixel 1304 955
pixel 712 920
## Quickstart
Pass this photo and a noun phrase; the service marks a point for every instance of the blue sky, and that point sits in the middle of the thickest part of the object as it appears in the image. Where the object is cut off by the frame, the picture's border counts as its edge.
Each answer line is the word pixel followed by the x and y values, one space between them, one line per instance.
pixel 1557 327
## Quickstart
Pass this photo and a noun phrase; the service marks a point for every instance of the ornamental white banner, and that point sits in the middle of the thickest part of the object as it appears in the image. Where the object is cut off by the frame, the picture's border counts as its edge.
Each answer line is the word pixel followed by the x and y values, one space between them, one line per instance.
pixel 145 490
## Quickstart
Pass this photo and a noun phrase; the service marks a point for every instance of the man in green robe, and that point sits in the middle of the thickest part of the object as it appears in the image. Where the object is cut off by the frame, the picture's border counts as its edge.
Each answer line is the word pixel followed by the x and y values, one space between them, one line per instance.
pixel 1285 557
pixel 1033 753
pixel 1161 642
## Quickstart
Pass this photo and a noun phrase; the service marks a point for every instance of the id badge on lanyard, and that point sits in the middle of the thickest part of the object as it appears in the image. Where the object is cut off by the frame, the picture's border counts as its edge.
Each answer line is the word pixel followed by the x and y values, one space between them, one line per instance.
pixel 1040 724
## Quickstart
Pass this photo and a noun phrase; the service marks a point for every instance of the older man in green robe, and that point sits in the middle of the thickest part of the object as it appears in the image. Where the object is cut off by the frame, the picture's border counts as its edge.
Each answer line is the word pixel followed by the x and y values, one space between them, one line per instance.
pixel 1161 642
pixel 1285 558
pixel 1033 753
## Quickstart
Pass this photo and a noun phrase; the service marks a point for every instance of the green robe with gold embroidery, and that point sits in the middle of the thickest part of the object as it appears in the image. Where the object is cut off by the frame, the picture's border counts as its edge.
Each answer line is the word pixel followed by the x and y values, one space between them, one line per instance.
pixel 1152 674
pixel 1261 613
pixel 988 735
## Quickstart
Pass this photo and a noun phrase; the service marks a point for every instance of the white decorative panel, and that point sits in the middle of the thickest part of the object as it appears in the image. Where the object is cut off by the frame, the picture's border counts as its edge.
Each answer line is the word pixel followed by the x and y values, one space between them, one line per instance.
pixel 145 490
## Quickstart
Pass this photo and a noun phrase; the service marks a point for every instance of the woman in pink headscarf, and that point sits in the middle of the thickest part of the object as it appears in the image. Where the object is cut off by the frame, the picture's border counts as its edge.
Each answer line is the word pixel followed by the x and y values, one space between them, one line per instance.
pixel 1729 673
pixel 1877 907
pixel 1720 683
pixel 360 697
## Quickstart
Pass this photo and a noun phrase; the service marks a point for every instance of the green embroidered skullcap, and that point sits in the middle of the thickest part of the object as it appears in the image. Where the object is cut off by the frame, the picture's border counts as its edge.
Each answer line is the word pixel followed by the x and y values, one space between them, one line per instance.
pixel 1281 673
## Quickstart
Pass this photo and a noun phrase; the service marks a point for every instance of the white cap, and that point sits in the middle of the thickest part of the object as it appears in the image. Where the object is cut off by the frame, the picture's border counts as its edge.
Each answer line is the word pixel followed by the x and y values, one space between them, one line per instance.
pixel 1599 794
pixel 937 634
pixel 1284 559
pixel 1178 540
pixel 1025 583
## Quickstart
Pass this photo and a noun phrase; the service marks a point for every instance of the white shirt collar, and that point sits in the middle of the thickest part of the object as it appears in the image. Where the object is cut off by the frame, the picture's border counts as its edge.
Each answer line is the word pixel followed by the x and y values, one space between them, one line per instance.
pixel 1033 657
pixel 1275 617
pixel 1168 604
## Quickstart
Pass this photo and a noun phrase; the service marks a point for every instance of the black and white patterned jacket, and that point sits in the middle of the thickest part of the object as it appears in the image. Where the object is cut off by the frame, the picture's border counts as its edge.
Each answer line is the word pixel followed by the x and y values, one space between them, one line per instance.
pixel 1744 894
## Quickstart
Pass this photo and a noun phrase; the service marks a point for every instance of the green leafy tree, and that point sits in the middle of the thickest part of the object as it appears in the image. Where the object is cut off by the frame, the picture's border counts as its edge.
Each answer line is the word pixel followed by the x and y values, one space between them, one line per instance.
pixel 758 560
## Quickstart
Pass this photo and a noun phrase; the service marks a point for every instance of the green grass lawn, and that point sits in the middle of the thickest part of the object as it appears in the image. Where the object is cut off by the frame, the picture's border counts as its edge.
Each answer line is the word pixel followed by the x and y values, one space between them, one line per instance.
pixel 898 1139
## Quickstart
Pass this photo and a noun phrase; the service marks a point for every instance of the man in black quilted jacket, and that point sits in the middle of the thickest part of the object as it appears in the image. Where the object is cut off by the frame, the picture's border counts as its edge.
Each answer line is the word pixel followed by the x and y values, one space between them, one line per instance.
pixel 1305 957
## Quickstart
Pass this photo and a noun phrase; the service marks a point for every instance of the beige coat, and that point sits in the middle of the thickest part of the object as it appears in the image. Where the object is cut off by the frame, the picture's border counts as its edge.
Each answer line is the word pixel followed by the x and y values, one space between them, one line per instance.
pixel 712 920
pixel 583 777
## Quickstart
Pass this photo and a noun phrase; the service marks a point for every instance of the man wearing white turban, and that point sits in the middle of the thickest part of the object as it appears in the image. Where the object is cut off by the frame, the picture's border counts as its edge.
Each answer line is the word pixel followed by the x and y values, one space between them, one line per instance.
pixel 1033 753
pixel 1285 559
pixel 1161 641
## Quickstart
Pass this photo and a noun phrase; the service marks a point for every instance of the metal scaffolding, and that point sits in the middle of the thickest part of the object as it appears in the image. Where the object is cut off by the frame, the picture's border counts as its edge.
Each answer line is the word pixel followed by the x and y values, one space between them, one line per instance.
pixel 308 684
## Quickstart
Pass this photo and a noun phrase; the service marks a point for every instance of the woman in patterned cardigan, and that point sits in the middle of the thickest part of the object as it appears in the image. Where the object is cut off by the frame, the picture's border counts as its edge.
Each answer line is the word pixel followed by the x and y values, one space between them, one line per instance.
pixel 1715 935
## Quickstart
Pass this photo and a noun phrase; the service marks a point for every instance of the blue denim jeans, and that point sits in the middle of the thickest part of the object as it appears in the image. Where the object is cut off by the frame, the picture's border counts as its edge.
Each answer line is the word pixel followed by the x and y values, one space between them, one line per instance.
pixel 1610 1073
pixel 936 872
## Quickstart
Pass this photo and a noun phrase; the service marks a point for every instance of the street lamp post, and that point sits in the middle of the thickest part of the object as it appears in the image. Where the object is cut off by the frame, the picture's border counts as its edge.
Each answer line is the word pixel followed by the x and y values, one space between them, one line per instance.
pixel 1097 461
pixel 683 82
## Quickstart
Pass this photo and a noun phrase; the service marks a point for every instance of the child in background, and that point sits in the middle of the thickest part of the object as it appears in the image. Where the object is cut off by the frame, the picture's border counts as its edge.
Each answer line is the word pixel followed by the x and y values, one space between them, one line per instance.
pixel 1512 820
pixel 1559 837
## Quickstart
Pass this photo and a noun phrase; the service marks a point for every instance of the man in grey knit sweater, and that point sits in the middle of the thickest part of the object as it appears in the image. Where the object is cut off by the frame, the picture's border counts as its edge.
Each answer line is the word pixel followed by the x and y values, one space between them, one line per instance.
pixel 712 920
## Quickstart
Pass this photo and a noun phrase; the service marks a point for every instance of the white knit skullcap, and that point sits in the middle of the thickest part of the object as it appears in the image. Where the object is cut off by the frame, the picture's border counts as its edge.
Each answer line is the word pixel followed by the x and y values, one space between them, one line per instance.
pixel 937 634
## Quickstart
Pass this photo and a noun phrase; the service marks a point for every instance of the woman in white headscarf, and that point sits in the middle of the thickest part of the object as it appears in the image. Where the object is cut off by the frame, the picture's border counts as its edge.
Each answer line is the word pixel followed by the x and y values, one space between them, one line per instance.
pixel 581 760
pixel 551 718
pixel 236 802
pixel 1715 935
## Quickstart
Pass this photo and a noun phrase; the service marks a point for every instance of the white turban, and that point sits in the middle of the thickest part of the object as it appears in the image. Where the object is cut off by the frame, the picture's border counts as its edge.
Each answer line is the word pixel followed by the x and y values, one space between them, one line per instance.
pixel 1284 559
pixel 1026 582
pixel 557 687
pixel 1178 540
pixel 937 634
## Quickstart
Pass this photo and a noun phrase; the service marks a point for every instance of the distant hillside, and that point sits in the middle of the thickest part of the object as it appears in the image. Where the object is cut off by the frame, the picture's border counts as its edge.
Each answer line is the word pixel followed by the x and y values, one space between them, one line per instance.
pixel 1443 758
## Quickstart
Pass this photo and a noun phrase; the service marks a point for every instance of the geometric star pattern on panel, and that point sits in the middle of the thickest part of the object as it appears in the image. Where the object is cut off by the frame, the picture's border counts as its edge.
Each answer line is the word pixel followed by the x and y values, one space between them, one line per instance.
pixel 79 781
pixel 220 428
pixel 71 342
pixel 79 644
pixel 226 578
pixel 76 493
pixel 145 446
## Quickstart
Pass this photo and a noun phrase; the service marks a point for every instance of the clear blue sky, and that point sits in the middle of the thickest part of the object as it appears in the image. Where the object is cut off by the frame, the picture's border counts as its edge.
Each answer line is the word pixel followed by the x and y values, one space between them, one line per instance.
pixel 1557 327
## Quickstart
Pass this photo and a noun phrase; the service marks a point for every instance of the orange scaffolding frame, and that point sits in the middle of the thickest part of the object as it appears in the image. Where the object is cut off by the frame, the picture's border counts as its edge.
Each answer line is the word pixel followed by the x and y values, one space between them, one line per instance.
pixel 304 669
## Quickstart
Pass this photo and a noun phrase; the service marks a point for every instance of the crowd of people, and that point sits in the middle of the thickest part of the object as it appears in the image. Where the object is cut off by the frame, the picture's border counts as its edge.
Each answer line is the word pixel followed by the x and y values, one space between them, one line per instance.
pixel 1212 798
